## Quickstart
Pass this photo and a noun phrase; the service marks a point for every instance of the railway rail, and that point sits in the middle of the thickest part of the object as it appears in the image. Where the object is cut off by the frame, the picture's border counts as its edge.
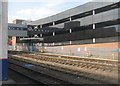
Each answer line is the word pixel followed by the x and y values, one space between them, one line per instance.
pixel 21 79
pixel 105 71
pixel 48 75
pixel 33 73
pixel 97 60
pixel 105 65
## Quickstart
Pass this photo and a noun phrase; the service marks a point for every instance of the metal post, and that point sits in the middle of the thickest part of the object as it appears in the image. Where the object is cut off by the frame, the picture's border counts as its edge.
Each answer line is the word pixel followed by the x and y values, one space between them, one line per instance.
pixel 3 41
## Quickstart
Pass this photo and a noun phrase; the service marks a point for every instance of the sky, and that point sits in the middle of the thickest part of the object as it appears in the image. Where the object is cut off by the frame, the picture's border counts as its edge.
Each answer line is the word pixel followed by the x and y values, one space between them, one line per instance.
pixel 37 9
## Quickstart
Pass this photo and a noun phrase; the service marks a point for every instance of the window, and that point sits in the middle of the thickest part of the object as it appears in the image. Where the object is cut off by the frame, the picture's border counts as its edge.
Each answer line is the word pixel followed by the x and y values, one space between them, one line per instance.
pixel 106 8
pixel 105 32
pixel 107 23
pixel 47 24
pixel 81 15
pixel 62 20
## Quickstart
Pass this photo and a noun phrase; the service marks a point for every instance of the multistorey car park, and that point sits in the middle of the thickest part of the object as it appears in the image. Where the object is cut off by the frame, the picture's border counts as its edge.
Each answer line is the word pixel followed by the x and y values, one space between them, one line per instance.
pixel 96 24
pixel 82 40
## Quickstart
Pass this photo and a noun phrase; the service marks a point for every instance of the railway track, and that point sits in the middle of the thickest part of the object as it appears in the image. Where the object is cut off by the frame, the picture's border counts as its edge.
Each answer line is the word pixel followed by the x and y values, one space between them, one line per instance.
pixel 87 68
pixel 47 75
pixel 97 60
pixel 21 78
pixel 94 60
pixel 97 64
pixel 34 74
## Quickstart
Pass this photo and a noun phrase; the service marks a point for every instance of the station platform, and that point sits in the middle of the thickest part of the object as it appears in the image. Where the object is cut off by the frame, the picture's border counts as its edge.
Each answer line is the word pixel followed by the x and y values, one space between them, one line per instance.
pixel 8 82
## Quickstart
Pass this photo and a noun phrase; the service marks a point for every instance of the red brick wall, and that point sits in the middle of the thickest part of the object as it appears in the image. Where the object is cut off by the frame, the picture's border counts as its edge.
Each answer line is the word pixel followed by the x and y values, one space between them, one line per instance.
pixel 99 49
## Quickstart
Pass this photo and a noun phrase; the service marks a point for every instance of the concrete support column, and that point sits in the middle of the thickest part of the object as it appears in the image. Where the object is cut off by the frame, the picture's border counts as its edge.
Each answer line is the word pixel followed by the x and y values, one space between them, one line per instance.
pixel 70 19
pixel 93 26
pixel 40 26
pixel 41 35
pixel 93 12
pixel 3 40
pixel 53 23
pixel 53 33
pixel 70 30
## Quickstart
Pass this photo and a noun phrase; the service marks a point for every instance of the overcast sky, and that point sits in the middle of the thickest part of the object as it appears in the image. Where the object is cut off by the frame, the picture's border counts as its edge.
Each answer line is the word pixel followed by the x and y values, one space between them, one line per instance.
pixel 37 9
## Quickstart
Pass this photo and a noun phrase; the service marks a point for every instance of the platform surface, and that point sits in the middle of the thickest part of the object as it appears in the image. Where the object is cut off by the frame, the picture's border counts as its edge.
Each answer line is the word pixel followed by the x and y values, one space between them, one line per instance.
pixel 9 81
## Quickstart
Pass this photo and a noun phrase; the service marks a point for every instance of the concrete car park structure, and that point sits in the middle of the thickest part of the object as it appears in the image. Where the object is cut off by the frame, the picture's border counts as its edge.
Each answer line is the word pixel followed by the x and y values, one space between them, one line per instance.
pixel 90 23
pixel 98 24
pixel 83 40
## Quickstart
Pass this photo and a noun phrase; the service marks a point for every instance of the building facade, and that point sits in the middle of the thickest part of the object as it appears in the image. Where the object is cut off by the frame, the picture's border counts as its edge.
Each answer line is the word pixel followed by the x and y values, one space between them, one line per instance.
pixel 93 17
pixel 83 30
pixel 16 30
